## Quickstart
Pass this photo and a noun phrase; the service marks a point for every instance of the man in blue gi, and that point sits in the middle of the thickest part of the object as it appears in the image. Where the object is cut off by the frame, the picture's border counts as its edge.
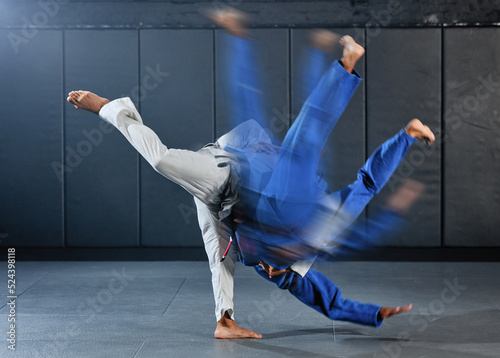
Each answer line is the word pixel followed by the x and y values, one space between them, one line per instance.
pixel 297 175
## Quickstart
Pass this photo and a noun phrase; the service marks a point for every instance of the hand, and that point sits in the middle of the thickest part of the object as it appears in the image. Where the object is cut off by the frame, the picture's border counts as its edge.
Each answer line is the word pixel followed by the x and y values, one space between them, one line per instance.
pixel 271 271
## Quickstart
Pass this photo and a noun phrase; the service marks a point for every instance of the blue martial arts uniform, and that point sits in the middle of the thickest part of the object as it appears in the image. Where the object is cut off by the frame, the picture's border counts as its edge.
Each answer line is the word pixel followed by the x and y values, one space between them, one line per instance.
pixel 279 193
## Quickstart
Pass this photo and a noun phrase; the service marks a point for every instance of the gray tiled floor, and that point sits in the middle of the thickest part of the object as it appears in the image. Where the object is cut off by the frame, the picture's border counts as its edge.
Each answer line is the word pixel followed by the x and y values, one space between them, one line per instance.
pixel 165 309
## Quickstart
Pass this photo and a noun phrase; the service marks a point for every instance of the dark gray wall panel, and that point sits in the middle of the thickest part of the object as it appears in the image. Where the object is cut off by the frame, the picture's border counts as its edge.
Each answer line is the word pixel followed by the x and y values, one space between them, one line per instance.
pixel 101 186
pixel 271 57
pixel 30 140
pixel 472 144
pixel 404 82
pixel 344 151
pixel 179 108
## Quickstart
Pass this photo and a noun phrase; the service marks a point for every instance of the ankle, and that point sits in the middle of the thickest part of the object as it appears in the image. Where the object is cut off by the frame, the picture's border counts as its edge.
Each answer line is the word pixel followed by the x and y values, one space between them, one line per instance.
pixel 102 103
pixel 346 67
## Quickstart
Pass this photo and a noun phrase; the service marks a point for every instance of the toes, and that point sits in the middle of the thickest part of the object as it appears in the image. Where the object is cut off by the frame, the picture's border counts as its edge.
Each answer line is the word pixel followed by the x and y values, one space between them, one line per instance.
pixel 429 136
pixel 255 335
pixel 73 97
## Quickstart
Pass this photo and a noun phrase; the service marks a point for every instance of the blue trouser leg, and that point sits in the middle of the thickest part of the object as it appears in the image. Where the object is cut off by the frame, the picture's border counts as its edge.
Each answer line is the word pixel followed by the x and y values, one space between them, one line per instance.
pixel 243 81
pixel 321 294
pixel 295 172
pixel 371 179
pixel 374 174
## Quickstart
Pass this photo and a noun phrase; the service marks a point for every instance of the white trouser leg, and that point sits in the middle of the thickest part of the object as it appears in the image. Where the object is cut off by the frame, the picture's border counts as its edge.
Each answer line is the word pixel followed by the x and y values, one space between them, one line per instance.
pixel 216 236
pixel 197 172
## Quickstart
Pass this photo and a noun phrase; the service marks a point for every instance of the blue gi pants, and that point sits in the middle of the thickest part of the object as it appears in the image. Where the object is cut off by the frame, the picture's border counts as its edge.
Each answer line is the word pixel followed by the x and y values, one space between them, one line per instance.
pixel 321 294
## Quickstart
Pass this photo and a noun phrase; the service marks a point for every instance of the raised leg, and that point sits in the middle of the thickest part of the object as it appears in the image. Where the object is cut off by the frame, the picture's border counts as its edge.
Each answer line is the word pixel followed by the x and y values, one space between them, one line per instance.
pixel 340 209
pixel 379 168
pixel 295 173
pixel 197 172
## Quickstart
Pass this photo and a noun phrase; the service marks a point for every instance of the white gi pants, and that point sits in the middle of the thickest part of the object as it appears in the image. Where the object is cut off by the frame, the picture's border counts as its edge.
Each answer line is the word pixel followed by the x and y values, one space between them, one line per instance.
pixel 197 172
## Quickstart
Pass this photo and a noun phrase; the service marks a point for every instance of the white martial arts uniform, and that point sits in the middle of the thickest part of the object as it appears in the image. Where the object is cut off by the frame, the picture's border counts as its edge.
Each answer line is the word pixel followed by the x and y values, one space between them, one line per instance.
pixel 206 174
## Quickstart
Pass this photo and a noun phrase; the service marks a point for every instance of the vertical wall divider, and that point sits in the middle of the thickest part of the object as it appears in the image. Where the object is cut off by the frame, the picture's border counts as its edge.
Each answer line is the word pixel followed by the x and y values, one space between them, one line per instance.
pixel 365 108
pixel 443 144
pixel 63 138
pixel 139 191
pixel 290 79
pixel 214 85
pixel 365 98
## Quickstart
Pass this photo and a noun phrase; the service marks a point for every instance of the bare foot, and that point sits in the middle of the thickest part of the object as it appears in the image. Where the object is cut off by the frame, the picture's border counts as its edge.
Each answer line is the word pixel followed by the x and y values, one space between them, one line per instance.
pixel 417 130
pixel 386 312
pixel 228 329
pixel 324 40
pixel 231 19
pixel 352 52
pixel 87 100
